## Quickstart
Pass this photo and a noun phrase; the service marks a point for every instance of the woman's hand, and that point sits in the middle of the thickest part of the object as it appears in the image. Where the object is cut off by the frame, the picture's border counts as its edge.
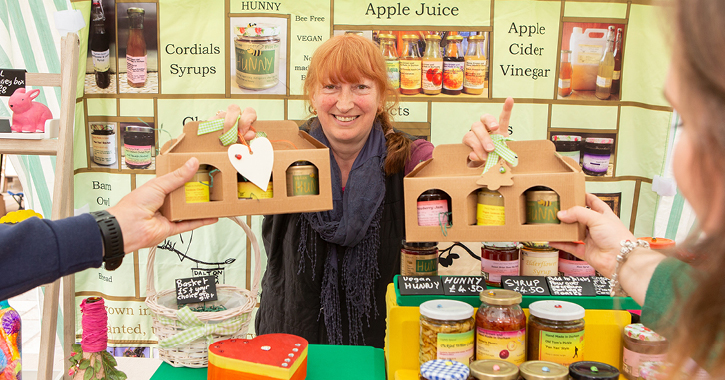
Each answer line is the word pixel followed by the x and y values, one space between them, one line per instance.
pixel 604 233
pixel 478 137
pixel 246 119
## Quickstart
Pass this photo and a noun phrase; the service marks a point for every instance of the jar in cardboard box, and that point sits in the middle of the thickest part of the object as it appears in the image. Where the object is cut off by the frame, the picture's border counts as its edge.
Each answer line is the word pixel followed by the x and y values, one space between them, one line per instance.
pixel 494 370
pixel 543 370
pixel 592 371
pixel 445 324
pixel 641 345
pixel 555 332
pixel 501 327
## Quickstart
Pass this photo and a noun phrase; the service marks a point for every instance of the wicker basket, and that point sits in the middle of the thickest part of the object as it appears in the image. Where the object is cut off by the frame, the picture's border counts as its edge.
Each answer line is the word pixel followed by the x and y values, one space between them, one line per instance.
pixel 170 325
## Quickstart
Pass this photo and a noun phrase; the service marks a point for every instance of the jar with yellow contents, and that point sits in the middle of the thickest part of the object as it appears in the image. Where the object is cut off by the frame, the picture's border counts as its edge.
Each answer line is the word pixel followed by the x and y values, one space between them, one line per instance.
pixel 446 331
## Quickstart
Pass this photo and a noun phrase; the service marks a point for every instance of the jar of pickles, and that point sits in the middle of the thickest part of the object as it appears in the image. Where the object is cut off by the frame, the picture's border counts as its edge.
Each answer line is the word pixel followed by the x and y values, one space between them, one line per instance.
pixel 494 370
pixel 593 371
pixel 543 370
pixel 556 332
pixel 641 345
pixel 499 259
pixel 446 331
pixel 501 327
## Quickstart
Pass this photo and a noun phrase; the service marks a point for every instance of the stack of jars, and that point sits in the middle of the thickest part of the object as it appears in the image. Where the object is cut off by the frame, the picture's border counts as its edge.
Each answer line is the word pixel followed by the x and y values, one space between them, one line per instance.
pixel 450 72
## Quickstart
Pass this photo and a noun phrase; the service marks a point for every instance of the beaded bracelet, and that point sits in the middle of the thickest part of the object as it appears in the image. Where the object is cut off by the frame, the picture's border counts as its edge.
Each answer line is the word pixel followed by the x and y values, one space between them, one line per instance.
pixel 627 247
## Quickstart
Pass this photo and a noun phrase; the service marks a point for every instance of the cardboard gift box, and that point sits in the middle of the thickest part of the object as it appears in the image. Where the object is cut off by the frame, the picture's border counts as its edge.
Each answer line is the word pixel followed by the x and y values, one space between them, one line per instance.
pixel 449 171
pixel 289 144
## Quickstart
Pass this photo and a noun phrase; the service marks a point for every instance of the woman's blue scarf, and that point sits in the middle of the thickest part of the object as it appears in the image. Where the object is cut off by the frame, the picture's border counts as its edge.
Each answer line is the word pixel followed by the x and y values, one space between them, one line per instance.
pixel 352 228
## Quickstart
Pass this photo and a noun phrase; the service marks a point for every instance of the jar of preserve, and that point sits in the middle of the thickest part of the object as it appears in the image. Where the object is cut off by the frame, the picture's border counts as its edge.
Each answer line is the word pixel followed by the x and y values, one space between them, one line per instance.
pixel 446 331
pixel 542 204
pixel 641 345
pixel 257 56
pixel 198 188
pixel 499 259
pixel 570 265
pixel 248 190
pixel 302 179
pixel 556 332
pixel 593 371
pixel 138 146
pixel 543 370
pixel 539 259
pixel 443 370
pixel 490 208
pixel 568 146
pixel 419 259
pixel 596 155
pixel 433 207
pixel 501 327
pixel 494 370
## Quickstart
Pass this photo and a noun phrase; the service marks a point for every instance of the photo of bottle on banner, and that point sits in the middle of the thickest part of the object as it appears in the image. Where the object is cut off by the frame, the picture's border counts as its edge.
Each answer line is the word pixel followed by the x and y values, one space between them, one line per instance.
pixel 101 68
pixel 137 48
pixel 433 62
pixel 258 55
pixel 138 146
pixel 590 67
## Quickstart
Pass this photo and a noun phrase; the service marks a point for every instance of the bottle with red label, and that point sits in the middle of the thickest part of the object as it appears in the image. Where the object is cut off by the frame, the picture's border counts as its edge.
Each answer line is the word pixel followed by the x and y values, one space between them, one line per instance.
pixel 570 265
pixel 453 66
pixel 432 78
pixel 136 59
pixel 501 327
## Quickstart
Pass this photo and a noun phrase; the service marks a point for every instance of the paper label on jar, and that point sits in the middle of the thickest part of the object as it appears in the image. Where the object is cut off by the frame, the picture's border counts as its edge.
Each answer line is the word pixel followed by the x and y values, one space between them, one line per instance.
pixel 575 268
pixel 432 75
pixel 104 149
pixel 564 83
pixel 604 82
pixel 453 75
pixel 458 347
pixel 101 60
pixel 542 212
pixel 589 54
pixel 248 190
pixel 138 155
pixel 492 270
pixel 418 265
pixel 393 68
pixel 432 213
pixel 475 73
pixel 503 345
pixel 538 264
pixel 196 192
pixel 561 348
pixel 596 163
pixel 616 75
pixel 488 215
pixel 136 69
pixel 632 360
pixel 410 73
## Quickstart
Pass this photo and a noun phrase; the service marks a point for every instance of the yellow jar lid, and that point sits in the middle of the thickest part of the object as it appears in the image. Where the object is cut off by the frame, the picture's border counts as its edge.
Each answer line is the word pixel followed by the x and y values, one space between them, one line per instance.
pixel 410 37
pixel 502 297
pixel 476 37
pixel 386 36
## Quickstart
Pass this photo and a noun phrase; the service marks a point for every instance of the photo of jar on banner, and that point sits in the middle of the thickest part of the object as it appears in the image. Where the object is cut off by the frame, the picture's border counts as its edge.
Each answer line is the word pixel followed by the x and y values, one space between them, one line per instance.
pixel 258 55
pixel 590 66
pixel 594 152
pixel 137 48
pixel 103 145
pixel 138 146
pixel 432 62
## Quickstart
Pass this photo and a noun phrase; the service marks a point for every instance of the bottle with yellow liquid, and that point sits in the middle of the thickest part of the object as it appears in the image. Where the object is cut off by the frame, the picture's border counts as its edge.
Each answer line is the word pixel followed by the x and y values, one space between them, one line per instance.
pixel 476 65
pixel 410 66
pixel 387 47
pixel 603 89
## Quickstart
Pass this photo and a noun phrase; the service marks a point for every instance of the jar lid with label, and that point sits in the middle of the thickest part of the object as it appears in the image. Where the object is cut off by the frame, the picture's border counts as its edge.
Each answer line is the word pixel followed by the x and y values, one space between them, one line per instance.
pixel 256 30
pixel 593 371
pixel 599 140
pixel 566 137
pixel 493 369
pixel 502 297
pixel 543 370
pixel 556 310
pixel 446 310
pixel 639 332
pixel 440 369
pixel 102 127
pixel 419 245
pixel 501 244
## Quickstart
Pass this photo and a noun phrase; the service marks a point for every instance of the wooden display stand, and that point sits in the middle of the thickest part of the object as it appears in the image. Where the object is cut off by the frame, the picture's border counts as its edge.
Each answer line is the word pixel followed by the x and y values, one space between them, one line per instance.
pixel 62 148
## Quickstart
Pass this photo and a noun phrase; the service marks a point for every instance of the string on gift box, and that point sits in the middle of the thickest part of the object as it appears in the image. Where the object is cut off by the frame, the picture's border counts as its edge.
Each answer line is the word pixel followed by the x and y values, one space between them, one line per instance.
pixel 444 221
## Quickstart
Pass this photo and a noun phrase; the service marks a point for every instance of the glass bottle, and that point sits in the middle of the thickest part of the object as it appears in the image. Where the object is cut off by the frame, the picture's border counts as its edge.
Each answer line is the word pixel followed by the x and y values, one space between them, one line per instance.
pixel 100 51
pixel 565 73
pixel 475 65
pixel 453 66
pixel 10 335
pixel 606 69
pixel 387 47
pixel 136 64
pixel 410 66
pixel 617 74
pixel 432 75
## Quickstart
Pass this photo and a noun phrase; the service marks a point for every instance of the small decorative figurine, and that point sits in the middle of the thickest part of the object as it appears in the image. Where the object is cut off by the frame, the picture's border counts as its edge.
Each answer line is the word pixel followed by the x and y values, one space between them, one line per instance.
pixel 28 116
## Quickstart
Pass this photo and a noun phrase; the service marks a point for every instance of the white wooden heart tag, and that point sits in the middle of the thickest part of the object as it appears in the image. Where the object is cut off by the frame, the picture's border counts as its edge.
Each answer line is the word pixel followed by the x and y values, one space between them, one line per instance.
pixel 255 166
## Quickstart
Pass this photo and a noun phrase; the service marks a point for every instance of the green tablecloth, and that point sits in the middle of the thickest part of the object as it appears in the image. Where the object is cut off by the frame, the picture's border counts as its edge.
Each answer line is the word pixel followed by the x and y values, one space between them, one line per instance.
pixel 323 362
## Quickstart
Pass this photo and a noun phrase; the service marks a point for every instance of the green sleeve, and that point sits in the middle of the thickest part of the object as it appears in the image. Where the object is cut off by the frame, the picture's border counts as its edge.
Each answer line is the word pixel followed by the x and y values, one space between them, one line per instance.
pixel 672 280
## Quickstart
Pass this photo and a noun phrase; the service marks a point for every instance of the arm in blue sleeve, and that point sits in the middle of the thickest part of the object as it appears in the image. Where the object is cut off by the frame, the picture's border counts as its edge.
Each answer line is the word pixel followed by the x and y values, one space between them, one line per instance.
pixel 39 251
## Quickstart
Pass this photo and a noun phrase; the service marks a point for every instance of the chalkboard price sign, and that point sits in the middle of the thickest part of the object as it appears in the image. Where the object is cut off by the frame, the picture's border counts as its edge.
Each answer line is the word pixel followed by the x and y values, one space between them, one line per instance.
pixel 526 285
pixel 411 285
pixel 11 80
pixel 602 285
pixel 571 286
pixel 195 289
pixel 463 285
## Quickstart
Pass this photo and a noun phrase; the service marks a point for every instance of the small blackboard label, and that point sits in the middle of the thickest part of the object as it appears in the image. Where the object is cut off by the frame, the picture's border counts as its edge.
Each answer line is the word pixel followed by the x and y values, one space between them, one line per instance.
pixel 411 285
pixel 602 285
pixel 11 80
pixel 526 285
pixel 463 285
pixel 195 289
pixel 571 286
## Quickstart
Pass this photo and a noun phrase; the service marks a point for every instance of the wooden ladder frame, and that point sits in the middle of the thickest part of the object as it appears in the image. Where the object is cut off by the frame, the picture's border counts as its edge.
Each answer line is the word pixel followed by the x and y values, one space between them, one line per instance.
pixel 62 148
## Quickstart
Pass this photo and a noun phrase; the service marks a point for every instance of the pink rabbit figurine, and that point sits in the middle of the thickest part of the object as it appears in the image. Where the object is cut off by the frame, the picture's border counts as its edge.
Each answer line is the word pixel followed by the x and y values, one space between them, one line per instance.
pixel 28 116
